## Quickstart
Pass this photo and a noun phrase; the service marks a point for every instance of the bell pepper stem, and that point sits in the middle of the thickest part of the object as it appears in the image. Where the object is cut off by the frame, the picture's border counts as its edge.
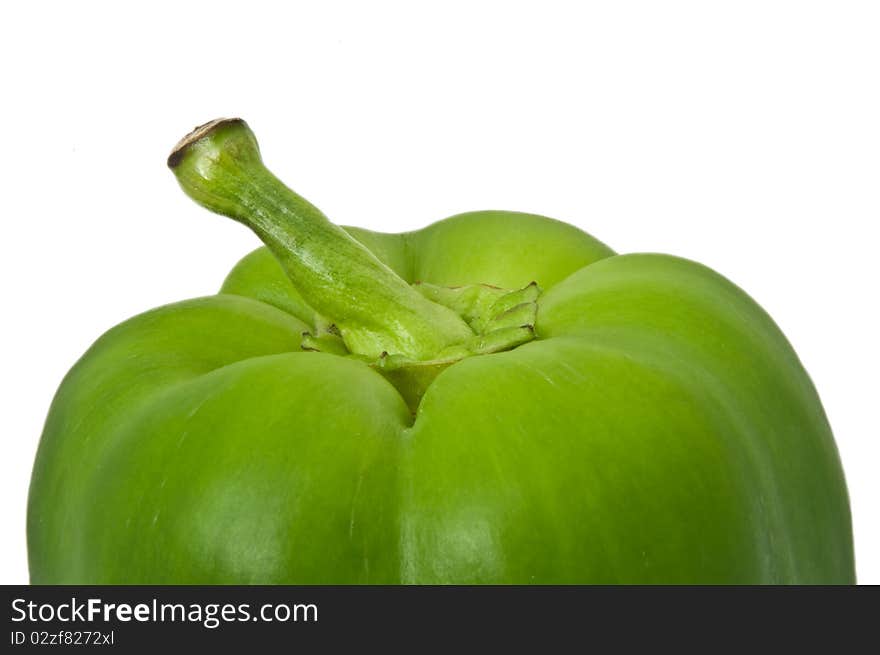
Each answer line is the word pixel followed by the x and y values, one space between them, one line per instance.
pixel 375 311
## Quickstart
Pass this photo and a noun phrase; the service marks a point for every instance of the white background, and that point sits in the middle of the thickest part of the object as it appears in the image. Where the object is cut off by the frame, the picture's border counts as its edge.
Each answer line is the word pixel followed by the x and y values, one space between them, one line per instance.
pixel 745 135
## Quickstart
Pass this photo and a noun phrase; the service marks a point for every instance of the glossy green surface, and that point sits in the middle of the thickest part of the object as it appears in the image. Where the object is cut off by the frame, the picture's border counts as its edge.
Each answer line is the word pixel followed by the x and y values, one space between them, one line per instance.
pixel 659 429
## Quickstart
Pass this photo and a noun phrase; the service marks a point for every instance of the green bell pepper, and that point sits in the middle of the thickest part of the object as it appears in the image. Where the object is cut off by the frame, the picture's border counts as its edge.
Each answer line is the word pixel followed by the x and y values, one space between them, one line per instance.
pixel 497 398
